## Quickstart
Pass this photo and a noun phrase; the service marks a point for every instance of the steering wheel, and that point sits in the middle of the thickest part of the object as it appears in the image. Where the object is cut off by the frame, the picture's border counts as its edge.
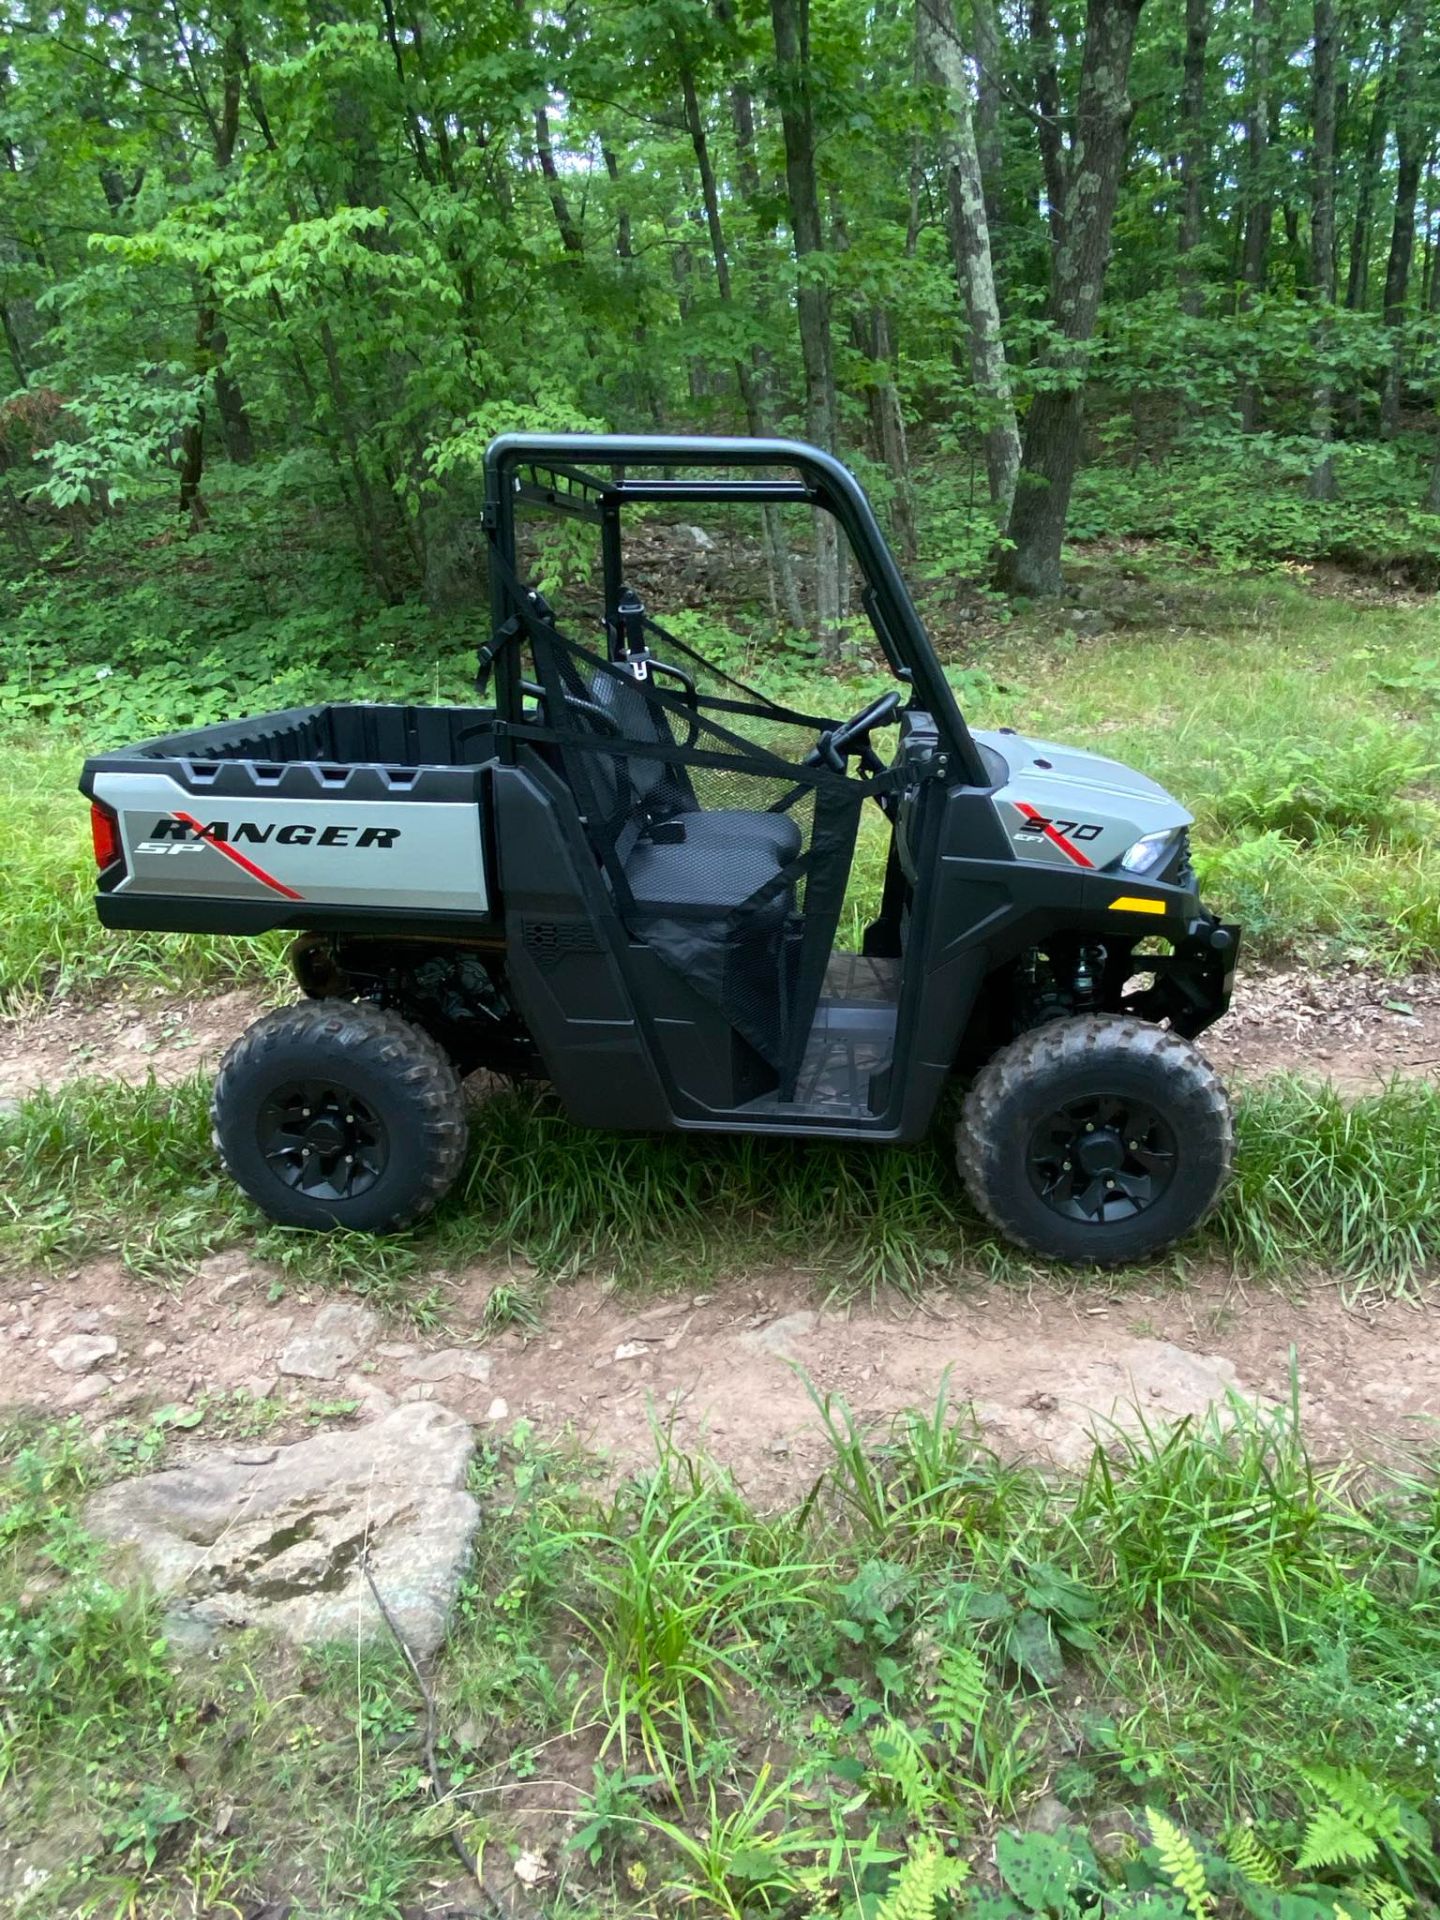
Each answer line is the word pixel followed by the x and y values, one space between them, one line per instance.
pixel 853 736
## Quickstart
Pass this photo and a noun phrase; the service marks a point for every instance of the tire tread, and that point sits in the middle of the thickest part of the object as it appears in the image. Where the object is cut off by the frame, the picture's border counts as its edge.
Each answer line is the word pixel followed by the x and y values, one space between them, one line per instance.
pixel 1068 1043
pixel 375 1036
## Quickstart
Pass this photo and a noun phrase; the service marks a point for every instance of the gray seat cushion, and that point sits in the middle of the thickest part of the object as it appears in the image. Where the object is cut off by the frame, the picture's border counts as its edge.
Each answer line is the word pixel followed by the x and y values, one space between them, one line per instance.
pixel 688 873
pixel 778 833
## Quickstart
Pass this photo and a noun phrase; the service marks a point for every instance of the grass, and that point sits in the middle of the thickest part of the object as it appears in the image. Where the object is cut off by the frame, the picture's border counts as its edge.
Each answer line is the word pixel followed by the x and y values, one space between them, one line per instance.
pixel 1352 1187
pixel 53 944
pixel 1216 1657
pixel 1303 731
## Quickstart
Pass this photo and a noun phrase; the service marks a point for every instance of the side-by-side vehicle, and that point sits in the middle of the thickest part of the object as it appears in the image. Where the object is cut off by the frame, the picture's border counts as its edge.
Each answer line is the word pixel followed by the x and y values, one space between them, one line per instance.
pixel 625 874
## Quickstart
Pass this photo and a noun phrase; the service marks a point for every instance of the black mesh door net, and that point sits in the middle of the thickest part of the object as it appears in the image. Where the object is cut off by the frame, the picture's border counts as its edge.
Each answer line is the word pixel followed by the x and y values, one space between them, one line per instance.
pixel 727 857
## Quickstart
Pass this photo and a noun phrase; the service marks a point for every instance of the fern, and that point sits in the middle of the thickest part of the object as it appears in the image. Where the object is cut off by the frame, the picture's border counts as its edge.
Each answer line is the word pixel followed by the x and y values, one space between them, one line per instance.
pixel 1331 1840
pixel 1181 1864
pixel 923 1880
pixel 961 1692
pixel 1384 1899
pixel 907 1770
pixel 1365 1807
pixel 1249 1855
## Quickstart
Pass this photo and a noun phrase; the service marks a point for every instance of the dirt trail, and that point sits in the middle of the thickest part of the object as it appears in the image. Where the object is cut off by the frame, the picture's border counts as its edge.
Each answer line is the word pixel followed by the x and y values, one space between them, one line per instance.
pixel 1042 1371
pixel 1355 1029
pixel 124 1038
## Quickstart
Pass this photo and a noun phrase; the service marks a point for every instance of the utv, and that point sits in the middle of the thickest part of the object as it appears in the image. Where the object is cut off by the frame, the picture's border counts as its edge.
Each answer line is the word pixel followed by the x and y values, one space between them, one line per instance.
pixel 626 876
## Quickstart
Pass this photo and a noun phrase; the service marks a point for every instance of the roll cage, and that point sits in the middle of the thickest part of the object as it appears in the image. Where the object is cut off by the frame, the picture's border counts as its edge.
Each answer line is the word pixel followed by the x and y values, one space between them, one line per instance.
pixel 588 477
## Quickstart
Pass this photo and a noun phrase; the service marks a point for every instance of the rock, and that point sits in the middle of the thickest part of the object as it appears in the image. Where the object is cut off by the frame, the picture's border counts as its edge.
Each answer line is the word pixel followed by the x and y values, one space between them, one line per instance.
pixel 87 1322
pixel 337 1335
pixel 498 1409
pixel 79 1352
pixel 255 1456
pixel 395 1349
pixel 279 1545
pixel 781 1335
pixel 422 1390
pixel 450 1363
pixel 631 1350
pixel 153 1349
pixel 86 1390
pixel 1047 1815
pixel 374 1400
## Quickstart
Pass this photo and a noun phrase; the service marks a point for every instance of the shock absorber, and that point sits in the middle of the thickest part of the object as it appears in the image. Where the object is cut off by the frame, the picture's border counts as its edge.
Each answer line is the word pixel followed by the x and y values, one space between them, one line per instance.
pixel 1089 968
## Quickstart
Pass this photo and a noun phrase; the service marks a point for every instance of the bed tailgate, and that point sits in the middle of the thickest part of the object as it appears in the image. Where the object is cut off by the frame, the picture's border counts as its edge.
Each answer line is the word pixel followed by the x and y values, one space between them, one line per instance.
pixel 354 838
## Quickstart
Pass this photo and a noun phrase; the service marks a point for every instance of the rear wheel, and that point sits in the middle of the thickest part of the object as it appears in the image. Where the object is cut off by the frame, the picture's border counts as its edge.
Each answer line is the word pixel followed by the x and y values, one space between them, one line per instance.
pixel 339 1114
pixel 1096 1141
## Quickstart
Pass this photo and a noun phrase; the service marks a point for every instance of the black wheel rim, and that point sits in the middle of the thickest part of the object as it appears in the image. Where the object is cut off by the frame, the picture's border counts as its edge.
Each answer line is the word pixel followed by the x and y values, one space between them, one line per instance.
pixel 322 1141
pixel 1102 1160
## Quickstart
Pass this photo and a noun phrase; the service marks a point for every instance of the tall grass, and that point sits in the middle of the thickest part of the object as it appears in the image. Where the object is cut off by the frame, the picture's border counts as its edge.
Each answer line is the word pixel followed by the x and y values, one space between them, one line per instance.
pixel 1195 1632
pixel 1350 1187
pixel 51 942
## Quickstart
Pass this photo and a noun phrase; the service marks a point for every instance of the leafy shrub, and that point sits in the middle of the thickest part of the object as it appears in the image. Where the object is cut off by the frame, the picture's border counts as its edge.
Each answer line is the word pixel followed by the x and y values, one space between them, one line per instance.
pixel 1301 788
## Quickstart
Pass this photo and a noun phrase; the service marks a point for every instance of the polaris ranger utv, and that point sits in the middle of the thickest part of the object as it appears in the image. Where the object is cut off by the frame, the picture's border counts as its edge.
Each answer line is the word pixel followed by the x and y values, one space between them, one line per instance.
pixel 626 873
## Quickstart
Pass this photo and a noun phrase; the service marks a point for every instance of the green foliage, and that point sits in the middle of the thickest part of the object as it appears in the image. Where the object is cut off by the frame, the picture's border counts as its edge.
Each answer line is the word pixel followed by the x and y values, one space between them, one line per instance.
pixel 1180 1864
pixel 1346 1185
pixel 903 1810
pixel 1302 790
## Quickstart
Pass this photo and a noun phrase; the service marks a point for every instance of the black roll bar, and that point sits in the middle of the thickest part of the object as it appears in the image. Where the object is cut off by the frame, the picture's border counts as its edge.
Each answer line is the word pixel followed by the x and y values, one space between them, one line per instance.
pixel 824 483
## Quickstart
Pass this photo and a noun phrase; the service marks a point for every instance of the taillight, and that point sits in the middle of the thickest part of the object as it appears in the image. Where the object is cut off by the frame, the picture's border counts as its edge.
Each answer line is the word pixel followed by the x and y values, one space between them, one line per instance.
pixel 105 832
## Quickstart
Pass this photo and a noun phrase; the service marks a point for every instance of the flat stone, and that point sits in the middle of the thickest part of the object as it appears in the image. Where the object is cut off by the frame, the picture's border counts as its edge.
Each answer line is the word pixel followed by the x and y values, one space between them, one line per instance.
pixel 79 1352
pixel 780 1336
pixel 336 1335
pixel 498 1409
pixel 372 1397
pixel 280 1545
pixel 153 1349
pixel 86 1390
pixel 450 1363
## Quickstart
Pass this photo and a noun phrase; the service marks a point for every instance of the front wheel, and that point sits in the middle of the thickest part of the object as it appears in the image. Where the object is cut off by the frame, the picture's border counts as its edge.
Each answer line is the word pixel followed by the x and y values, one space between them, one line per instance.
pixel 339 1114
pixel 1096 1141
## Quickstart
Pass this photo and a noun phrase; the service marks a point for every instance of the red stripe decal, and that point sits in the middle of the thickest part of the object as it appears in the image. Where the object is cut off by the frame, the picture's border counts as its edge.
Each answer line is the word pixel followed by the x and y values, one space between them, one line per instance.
pixel 230 853
pixel 1053 834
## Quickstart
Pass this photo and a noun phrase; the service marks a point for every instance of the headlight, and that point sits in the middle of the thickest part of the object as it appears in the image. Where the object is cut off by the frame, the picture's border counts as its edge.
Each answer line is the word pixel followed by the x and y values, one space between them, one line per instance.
pixel 1150 851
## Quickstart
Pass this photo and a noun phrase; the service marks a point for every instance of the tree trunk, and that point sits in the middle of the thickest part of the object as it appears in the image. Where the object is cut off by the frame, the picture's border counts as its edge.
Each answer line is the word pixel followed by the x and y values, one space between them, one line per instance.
pixel 989 141
pixel 943 58
pixel 1411 140
pixel 1194 152
pixel 748 375
pixel 1322 242
pixel 1047 108
pixel 1259 201
pixel 571 238
pixel 1432 492
pixel 790 20
pixel 211 340
pixel 1358 276
pixel 1077 275
pixel 889 443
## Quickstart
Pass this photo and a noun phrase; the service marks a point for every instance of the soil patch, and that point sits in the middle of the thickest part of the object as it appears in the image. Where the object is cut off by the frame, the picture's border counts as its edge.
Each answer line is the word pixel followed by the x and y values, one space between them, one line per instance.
pixel 125 1039
pixel 1357 1030
pixel 230 1353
